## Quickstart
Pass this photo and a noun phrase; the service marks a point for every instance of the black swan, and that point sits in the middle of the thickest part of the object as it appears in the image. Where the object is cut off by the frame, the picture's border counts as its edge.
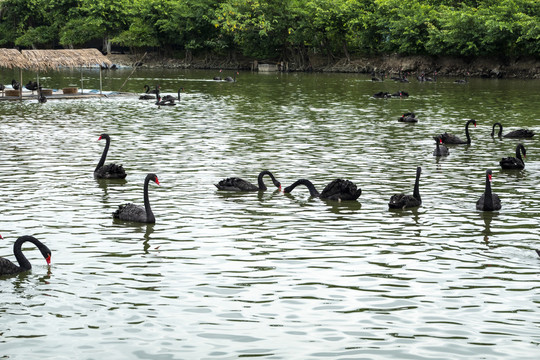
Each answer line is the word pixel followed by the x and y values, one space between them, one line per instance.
pixel 402 201
pixel 337 190
pixel 453 139
pixel 231 79
pixel 41 98
pixel 9 268
pixel 2 88
pixel 488 201
pixel 440 149
pixel 161 102
pixel 462 81
pixel 409 117
pixel 382 95
pixel 15 85
pixel 237 184
pixel 400 94
pixel 109 171
pixel 218 78
pixel 516 134
pixel 148 94
pixel 515 163
pixel 32 86
pixel 136 213
pixel 170 97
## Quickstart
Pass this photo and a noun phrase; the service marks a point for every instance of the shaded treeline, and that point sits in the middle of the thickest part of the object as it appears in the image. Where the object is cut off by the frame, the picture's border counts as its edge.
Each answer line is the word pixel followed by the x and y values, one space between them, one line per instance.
pixel 279 29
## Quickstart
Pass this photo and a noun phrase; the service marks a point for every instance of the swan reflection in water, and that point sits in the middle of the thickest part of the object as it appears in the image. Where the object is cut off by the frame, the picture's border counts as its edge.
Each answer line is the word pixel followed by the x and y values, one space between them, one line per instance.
pixel 487 217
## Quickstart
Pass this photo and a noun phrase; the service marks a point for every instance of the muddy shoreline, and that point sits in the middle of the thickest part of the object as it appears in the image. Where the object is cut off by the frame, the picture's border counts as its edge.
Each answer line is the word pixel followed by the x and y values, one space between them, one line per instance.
pixel 519 68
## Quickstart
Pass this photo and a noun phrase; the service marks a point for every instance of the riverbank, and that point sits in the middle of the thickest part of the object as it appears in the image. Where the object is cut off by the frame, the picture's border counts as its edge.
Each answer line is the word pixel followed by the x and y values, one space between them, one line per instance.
pixel 522 68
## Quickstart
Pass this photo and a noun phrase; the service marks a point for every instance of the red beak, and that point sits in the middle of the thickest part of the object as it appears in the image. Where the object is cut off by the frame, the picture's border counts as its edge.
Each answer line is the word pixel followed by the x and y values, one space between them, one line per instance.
pixel 48 259
pixel 489 176
pixel 157 181
pixel 99 137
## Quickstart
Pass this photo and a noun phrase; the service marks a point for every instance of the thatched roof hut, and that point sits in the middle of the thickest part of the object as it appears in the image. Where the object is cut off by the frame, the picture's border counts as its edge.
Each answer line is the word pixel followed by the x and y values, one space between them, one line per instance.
pixel 43 60
pixel 53 59
pixel 12 58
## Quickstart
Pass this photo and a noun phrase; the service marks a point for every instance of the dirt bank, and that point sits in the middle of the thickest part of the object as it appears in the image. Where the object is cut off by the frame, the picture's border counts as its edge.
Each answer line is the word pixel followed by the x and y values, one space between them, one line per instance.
pixel 524 68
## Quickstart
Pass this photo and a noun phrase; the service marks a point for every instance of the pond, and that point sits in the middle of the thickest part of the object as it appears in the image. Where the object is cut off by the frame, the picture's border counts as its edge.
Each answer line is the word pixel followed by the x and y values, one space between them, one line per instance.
pixel 222 275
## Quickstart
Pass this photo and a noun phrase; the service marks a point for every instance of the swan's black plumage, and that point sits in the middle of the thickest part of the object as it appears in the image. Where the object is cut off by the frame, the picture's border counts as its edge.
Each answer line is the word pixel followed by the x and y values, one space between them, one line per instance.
pixel 149 94
pixel 136 213
pixel 172 98
pixel 382 95
pixel 9 268
pixel 337 190
pixel 515 134
pixel 15 85
pixel 440 149
pixel 453 139
pixel 41 98
pixel 237 184
pixel 109 171
pixel 514 163
pixel 402 201
pixel 161 102
pixel 32 86
pixel 408 117
pixel 489 201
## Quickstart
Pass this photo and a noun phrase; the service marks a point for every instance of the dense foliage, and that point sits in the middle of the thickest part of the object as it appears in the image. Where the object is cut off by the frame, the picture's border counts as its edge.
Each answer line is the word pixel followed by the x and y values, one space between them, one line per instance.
pixel 279 29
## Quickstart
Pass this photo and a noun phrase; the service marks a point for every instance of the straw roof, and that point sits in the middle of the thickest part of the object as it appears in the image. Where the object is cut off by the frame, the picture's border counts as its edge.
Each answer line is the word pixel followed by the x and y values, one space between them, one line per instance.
pixel 52 59
pixel 12 58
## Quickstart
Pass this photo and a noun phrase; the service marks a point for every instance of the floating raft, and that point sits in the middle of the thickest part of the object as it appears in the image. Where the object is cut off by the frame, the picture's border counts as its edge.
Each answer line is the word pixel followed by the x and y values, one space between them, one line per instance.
pixel 60 94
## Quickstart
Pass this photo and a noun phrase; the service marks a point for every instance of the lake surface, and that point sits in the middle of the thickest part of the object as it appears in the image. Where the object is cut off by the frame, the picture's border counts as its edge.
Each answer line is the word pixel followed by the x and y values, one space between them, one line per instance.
pixel 271 275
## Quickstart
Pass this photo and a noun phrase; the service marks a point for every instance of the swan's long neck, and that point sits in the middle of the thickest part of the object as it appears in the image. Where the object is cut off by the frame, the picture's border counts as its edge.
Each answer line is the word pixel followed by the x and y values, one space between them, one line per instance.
pixel 493 129
pixel 260 182
pixel 17 250
pixel 467 131
pixel 149 214
pixel 488 198
pixel 312 191
pixel 104 154
pixel 519 149
pixel 416 192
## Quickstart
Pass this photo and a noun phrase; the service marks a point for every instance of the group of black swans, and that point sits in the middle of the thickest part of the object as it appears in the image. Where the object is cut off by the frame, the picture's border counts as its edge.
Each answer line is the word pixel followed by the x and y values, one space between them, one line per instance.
pixel 337 190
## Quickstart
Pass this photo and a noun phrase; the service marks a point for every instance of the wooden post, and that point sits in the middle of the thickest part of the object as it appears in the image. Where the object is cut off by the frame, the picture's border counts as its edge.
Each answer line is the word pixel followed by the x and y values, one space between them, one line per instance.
pixel 82 82
pixel 100 82
pixel 20 84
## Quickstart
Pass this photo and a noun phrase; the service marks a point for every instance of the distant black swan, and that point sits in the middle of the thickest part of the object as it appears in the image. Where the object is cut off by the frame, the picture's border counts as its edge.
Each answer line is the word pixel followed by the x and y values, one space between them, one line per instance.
pixel 453 139
pixel 15 85
pixel 32 86
pixel 237 184
pixel 160 102
pixel 148 93
pixel 136 213
pixel 440 149
pixel 337 190
pixel 9 268
pixel 488 201
pixel 409 117
pixel 41 98
pixel 109 171
pixel 516 134
pixel 402 201
pixel 514 163
pixel 170 97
